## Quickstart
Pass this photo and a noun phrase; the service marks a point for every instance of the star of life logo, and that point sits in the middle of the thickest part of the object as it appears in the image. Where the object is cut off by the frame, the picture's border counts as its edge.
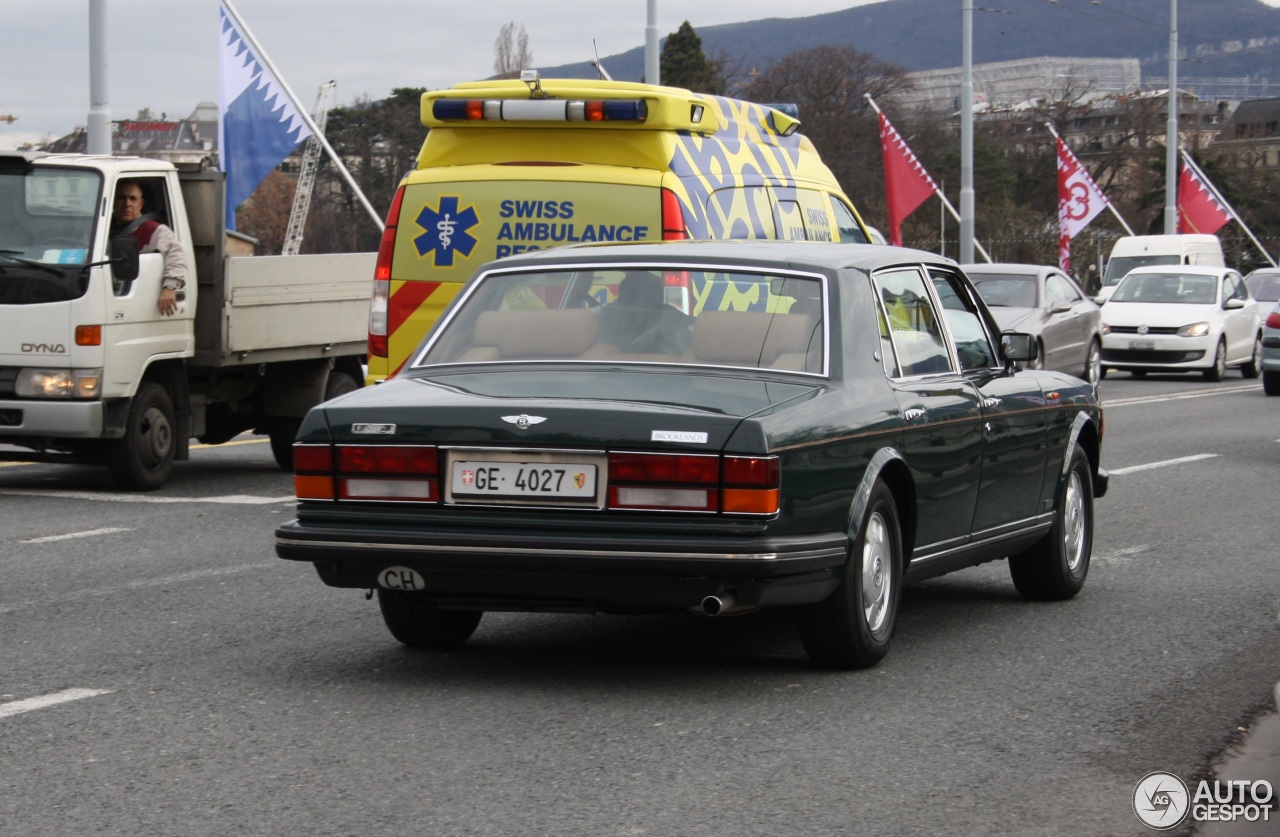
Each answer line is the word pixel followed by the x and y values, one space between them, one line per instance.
pixel 1163 801
pixel 446 231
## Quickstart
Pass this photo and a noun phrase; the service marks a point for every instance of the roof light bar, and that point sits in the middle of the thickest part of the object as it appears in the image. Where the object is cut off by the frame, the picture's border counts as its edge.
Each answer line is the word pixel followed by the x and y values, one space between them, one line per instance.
pixel 540 110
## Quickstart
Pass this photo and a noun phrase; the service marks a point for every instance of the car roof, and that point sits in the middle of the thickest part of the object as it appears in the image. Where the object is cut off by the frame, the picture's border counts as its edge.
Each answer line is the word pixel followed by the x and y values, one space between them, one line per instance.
pixel 1009 268
pixel 799 255
pixel 1183 269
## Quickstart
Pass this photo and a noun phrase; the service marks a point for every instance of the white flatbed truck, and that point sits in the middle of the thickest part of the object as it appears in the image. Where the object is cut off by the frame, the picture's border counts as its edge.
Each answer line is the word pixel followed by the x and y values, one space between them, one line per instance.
pixel 91 371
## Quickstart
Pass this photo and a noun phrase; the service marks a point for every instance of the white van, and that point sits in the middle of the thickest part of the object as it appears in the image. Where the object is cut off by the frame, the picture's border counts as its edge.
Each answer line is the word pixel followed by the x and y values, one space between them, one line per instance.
pixel 1143 250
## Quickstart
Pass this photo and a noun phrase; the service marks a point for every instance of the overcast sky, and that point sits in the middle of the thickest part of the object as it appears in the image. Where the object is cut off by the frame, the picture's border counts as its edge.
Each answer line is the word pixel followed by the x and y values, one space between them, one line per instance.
pixel 163 54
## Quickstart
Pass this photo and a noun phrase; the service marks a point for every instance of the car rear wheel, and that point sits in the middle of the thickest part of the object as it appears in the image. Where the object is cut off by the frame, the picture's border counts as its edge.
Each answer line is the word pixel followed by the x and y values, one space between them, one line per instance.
pixel 1219 369
pixel 1093 371
pixel 1271 383
pixel 419 623
pixel 1055 567
pixel 1253 367
pixel 852 627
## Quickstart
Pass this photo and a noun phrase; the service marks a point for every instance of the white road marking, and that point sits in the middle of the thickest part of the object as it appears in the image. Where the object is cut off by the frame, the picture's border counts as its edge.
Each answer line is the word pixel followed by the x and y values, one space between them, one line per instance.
pixel 230 499
pixel 1119 556
pixel 89 534
pixel 1199 393
pixel 17 707
pixel 163 581
pixel 1135 468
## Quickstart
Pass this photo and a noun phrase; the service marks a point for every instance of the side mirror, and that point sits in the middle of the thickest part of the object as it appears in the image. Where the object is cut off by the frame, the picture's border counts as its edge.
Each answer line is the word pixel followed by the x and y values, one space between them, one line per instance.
pixel 123 253
pixel 1233 304
pixel 1016 347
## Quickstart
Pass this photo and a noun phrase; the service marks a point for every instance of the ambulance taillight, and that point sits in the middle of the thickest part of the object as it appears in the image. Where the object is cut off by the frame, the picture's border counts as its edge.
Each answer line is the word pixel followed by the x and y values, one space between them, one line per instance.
pixel 673 228
pixel 379 301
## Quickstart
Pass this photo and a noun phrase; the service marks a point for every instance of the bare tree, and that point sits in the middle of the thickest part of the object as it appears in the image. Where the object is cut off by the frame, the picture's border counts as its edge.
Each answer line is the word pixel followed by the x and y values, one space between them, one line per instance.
pixel 827 84
pixel 265 215
pixel 511 51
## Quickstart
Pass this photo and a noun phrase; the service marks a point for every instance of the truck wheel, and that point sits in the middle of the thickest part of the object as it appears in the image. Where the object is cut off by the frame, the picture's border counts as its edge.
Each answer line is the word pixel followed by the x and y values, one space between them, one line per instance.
pixel 420 624
pixel 1054 568
pixel 285 430
pixel 143 459
pixel 339 383
pixel 852 627
pixel 282 434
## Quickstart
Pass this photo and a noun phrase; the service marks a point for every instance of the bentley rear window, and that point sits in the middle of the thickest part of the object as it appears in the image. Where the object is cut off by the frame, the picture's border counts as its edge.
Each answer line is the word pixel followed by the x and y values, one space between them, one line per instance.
pixel 642 314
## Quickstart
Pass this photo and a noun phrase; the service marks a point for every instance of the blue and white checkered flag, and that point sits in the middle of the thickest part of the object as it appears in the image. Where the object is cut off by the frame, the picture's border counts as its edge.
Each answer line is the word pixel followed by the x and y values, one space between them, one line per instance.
pixel 258 126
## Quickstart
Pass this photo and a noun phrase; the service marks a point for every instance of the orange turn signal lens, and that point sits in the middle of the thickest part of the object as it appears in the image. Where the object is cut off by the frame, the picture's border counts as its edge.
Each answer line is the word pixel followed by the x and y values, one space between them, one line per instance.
pixel 313 487
pixel 89 335
pixel 751 500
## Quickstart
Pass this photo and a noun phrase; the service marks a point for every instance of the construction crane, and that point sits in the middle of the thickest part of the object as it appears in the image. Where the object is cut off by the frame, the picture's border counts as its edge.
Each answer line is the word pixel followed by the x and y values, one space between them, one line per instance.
pixel 307 176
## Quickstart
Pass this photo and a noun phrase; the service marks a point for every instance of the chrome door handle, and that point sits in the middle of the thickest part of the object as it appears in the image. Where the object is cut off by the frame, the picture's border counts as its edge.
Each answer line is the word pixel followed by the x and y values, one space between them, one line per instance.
pixel 913 413
pixel 991 402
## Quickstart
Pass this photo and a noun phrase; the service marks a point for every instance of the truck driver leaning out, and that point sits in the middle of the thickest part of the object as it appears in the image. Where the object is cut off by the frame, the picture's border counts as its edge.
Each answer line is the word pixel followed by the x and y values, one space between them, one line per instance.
pixel 129 219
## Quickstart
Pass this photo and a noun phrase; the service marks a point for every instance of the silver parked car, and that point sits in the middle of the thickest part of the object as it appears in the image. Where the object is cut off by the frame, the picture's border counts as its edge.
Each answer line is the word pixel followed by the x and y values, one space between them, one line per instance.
pixel 1044 301
pixel 1271 352
pixel 1264 286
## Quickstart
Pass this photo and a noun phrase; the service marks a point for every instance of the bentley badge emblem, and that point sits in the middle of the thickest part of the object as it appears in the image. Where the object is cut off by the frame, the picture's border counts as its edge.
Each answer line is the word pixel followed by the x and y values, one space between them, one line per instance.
pixel 523 422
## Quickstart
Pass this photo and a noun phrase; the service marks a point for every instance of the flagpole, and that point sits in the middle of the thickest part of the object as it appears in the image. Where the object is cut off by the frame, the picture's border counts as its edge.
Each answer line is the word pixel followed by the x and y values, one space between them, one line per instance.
pixel 1110 205
pixel 1209 184
pixel 302 112
pixel 942 197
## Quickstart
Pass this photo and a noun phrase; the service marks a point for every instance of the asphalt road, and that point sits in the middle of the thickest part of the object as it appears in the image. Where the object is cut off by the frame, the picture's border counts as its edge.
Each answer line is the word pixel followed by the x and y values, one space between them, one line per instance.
pixel 161 672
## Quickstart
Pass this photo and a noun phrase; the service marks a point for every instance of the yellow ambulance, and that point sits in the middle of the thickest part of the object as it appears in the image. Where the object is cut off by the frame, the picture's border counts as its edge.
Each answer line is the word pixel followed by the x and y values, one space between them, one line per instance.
pixel 525 164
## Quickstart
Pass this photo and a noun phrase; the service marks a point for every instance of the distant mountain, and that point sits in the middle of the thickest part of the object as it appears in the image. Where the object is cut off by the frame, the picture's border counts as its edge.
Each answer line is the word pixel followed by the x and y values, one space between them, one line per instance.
pixel 1218 38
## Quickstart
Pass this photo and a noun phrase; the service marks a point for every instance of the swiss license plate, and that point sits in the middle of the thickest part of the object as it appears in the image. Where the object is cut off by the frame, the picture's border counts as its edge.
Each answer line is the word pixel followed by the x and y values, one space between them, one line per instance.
pixel 1140 345
pixel 526 480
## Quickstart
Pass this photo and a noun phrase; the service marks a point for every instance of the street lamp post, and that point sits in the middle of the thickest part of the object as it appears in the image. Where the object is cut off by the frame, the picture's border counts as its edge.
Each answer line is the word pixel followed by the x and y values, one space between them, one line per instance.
pixel 966 140
pixel 1171 134
pixel 98 130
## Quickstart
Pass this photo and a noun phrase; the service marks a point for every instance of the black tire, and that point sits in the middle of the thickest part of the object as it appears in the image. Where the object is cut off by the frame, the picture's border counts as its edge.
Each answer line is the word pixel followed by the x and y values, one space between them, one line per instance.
pixel 1093 371
pixel 844 630
pixel 284 430
pixel 1271 382
pixel 143 459
pixel 1218 371
pixel 282 434
pixel 1253 367
pixel 1054 568
pixel 339 383
pixel 418 623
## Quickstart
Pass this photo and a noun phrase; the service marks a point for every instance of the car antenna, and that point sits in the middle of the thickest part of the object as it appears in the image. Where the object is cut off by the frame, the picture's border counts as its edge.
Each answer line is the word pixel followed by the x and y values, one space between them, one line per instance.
pixel 604 74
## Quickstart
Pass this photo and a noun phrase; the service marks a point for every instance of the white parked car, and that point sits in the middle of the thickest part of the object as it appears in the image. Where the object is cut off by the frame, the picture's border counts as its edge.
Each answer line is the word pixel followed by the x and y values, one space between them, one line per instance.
pixel 1181 318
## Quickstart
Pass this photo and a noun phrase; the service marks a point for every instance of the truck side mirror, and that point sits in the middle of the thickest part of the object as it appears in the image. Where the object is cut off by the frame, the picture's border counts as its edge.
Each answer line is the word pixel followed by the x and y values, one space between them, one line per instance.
pixel 123 252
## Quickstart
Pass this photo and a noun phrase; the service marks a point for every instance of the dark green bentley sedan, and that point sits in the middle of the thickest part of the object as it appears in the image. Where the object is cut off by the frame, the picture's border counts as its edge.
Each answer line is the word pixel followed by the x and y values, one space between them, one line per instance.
pixel 711 427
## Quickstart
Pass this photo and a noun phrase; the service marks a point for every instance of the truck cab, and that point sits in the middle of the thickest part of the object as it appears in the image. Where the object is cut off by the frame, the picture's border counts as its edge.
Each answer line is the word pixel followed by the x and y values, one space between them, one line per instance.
pixel 92 371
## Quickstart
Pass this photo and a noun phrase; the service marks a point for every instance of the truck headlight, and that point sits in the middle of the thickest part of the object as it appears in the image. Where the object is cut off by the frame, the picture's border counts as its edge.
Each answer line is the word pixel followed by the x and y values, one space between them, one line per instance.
pixel 58 383
pixel 1194 330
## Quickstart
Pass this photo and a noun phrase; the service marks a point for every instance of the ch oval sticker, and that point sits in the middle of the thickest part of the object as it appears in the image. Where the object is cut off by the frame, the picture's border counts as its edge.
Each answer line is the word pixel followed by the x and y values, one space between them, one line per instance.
pixel 401 578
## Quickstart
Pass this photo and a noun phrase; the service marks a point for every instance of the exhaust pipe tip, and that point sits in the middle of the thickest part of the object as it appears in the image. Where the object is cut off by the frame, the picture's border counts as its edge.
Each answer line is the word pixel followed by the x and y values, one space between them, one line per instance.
pixel 716 605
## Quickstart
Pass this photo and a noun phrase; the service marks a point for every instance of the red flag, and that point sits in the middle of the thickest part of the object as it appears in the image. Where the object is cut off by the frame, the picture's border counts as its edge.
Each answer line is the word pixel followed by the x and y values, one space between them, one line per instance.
pixel 1079 201
pixel 906 183
pixel 1199 209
